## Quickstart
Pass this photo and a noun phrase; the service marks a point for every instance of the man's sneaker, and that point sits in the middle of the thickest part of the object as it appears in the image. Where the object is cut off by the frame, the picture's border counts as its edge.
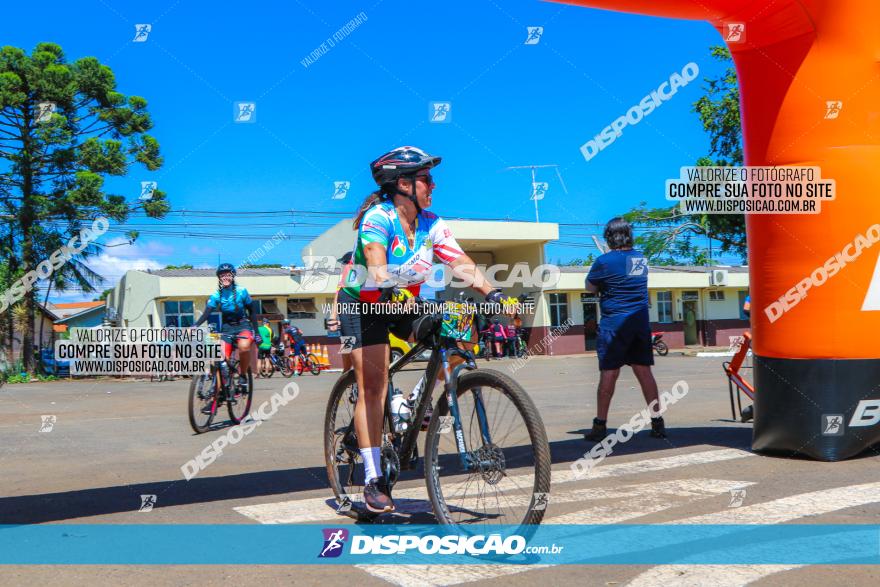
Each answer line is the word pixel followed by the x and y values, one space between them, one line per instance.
pixel 599 431
pixel 242 382
pixel 377 496
pixel 658 428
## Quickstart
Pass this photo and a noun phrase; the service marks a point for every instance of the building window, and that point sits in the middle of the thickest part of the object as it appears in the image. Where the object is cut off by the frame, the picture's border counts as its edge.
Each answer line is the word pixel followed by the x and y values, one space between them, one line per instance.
pixel 664 306
pixel 301 309
pixel 558 309
pixel 266 307
pixel 179 313
pixel 716 295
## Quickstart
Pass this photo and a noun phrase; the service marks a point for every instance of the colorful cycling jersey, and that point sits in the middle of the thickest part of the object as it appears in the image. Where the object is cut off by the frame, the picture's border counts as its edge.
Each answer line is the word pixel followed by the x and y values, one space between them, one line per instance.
pixel 408 267
pixel 233 307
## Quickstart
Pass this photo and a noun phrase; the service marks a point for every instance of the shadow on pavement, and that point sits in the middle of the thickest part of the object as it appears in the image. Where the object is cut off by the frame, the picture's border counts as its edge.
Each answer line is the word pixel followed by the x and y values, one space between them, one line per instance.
pixel 83 503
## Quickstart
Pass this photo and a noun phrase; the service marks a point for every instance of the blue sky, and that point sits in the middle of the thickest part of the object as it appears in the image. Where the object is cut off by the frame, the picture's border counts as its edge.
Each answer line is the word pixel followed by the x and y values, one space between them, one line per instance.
pixel 512 104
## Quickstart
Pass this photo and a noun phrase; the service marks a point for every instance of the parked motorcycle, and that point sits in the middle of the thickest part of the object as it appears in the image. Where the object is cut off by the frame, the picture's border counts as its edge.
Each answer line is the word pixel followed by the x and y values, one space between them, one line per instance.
pixel 658 344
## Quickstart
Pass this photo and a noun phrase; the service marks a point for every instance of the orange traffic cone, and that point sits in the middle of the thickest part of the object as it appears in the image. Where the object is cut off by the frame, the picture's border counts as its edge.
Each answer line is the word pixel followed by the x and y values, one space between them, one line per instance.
pixel 325 356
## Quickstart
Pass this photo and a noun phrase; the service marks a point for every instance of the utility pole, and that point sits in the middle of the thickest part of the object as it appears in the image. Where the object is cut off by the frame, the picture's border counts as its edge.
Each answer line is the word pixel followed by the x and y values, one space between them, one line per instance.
pixel 534 191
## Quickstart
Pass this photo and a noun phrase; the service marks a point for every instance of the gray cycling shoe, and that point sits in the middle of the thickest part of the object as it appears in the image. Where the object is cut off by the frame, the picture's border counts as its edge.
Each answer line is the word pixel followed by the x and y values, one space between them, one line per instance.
pixel 377 496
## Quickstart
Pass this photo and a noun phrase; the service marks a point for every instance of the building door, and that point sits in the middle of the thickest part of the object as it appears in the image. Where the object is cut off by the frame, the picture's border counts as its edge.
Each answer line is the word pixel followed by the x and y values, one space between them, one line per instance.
pixel 591 325
pixel 690 322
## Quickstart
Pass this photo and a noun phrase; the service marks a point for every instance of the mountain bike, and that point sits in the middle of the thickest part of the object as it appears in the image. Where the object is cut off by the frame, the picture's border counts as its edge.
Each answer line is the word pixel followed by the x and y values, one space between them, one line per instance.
pixel 277 362
pixel 300 362
pixel 487 459
pixel 208 392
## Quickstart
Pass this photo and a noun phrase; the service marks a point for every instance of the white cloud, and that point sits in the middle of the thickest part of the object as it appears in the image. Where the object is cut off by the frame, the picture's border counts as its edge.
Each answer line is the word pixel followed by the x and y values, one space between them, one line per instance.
pixel 197 250
pixel 113 267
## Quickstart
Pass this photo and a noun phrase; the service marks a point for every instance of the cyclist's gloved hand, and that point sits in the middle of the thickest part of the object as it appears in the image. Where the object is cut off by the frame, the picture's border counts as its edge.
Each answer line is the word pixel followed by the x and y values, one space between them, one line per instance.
pixel 394 294
pixel 258 339
pixel 496 297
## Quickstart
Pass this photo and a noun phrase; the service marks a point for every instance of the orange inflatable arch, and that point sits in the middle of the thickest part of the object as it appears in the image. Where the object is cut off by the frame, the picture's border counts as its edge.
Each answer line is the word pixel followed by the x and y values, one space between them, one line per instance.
pixel 809 75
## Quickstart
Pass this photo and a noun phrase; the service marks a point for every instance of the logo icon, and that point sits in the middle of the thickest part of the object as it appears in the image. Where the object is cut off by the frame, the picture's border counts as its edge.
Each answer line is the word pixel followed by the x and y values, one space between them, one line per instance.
pixel 832 424
pixel 245 112
pixel 832 109
pixel 734 32
pixel 344 505
pixel 735 343
pixel 340 189
pixel 141 32
pixel 539 190
pixel 147 503
pixel 737 496
pixel 334 538
pixel 347 344
pixel 46 110
pixel 637 266
pixel 397 247
pixel 541 501
pixel 441 112
pixel 533 35
pixel 445 424
pixel 147 189
pixel 48 422
pixel 318 270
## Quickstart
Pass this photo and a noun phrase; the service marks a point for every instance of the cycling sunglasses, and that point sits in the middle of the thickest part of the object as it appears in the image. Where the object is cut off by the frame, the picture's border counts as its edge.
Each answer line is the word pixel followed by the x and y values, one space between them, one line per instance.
pixel 427 177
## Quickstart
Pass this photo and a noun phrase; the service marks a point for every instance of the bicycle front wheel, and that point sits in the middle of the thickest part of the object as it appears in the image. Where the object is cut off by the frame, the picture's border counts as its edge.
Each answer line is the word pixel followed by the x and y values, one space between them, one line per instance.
pixel 508 475
pixel 314 366
pixel 239 402
pixel 203 401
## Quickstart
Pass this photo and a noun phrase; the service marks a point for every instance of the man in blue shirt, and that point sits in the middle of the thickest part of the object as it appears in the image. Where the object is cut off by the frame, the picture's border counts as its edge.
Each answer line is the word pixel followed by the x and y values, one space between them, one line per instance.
pixel 621 278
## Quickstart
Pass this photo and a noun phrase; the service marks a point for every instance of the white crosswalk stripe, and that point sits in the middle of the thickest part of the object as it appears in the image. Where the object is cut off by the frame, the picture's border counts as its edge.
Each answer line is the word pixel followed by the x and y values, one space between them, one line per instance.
pixel 413 500
pixel 639 500
pixel 777 511
pixel 611 505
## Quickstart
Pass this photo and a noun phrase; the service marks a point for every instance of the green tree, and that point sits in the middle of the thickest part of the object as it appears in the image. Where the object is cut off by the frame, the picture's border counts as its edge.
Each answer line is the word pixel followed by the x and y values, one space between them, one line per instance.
pixel 672 237
pixel 63 128
pixel 186 266
pixel 103 296
pixel 580 262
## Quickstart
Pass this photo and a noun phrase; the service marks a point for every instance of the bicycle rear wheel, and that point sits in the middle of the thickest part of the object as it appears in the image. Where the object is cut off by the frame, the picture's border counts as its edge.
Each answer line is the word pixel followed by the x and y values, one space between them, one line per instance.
pixel 341 452
pixel 285 367
pixel 509 480
pixel 239 403
pixel 203 401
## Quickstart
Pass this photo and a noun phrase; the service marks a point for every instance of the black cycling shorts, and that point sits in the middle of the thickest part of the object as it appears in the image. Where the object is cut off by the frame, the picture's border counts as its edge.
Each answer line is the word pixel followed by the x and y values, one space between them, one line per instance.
pixel 263 353
pixel 370 326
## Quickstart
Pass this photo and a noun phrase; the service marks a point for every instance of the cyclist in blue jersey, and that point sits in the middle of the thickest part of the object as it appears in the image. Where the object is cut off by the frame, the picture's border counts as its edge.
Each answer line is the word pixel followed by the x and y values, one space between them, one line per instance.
pixel 397 240
pixel 234 303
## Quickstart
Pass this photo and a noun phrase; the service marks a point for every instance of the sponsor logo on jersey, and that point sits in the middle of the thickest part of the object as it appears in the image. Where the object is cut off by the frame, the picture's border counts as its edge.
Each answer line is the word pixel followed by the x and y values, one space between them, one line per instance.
pixel 428 243
pixel 397 247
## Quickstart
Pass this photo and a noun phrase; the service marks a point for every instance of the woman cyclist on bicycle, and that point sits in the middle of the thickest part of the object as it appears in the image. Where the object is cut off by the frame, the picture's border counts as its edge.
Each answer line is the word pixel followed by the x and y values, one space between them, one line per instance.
pixel 233 302
pixel 396 242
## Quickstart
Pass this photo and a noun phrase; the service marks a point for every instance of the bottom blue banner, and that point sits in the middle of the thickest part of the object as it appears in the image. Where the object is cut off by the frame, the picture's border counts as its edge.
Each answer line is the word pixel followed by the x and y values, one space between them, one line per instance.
pixel 96 544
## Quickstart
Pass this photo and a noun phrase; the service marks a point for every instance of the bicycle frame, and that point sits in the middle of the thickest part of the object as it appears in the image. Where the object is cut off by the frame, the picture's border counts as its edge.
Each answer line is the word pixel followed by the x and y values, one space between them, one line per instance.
pixel 439 361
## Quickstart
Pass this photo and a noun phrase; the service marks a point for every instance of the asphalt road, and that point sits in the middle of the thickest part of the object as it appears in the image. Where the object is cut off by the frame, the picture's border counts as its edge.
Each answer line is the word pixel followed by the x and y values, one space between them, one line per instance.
pixel 113 441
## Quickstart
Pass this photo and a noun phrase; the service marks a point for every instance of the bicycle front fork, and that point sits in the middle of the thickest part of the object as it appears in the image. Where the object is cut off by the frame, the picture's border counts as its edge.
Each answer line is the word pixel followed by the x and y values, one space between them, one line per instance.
pixel 451 389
